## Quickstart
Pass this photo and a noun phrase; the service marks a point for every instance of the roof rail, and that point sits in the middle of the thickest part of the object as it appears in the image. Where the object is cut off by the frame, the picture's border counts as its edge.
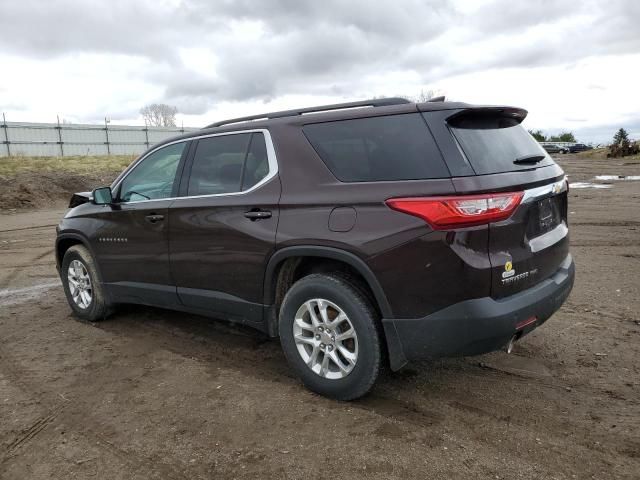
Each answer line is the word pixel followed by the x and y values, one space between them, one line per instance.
pixel 436 99
pixel 377 102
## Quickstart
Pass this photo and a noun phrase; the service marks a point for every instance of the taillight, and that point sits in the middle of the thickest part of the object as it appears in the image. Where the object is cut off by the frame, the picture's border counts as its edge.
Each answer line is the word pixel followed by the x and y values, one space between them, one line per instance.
pixel 444 213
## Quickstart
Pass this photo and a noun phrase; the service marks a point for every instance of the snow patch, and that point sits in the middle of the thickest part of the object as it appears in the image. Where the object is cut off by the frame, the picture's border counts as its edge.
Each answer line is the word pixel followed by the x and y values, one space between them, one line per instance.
pixel 617 177
pixel 588 185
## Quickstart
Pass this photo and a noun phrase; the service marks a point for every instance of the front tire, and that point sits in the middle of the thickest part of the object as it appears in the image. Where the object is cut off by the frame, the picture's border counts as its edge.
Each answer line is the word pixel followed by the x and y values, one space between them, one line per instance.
pixel 82 286
pixel 329 335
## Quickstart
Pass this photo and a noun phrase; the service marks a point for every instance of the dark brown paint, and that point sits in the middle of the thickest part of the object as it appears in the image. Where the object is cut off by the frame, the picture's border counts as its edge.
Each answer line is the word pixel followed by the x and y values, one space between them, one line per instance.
pixel 206 255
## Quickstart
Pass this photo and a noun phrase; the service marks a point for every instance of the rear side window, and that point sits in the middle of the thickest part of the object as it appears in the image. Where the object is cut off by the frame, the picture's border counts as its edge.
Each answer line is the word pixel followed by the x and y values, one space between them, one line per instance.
pixel 228 164
pixel 492 142
pixel 394 147
pixel 257 164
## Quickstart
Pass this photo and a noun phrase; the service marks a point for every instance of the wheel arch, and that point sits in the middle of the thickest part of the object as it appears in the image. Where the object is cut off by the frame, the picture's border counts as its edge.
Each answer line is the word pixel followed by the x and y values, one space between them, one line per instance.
pixel 65 241
pixel 279 257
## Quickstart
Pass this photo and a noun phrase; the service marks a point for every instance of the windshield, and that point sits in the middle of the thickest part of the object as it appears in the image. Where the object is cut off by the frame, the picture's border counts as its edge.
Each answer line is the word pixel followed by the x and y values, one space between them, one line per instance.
pixel 491 143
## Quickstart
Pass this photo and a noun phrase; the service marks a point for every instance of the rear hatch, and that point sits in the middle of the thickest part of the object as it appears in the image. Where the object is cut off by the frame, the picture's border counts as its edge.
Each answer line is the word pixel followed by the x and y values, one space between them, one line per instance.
pixel 530 245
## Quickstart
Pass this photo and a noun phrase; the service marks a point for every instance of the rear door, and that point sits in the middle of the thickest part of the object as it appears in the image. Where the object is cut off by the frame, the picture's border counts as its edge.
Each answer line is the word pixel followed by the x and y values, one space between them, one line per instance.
pixel 223 228
pixel 531 245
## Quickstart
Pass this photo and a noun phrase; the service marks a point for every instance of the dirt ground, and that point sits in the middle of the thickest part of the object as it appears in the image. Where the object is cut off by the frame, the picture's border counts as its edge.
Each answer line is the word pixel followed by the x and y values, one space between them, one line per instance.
pixel 27 190
pixel 150 394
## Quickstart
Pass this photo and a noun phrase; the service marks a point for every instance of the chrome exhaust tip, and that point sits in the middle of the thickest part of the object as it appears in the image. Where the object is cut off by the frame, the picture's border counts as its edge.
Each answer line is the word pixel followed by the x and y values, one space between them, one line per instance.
pixel 512 342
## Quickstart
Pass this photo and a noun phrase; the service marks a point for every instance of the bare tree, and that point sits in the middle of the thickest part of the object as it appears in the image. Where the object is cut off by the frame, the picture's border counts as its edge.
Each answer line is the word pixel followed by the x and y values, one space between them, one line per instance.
pixel 421 97
pixel 159 115
pixel 425 95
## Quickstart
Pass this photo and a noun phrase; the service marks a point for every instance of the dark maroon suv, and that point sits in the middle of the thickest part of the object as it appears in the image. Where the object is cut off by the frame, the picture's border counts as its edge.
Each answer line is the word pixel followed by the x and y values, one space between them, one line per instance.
pixel 360 234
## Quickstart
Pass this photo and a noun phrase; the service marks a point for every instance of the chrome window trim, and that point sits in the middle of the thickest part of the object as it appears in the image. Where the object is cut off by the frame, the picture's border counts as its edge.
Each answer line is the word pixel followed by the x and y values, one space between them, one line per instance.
pixel 271 159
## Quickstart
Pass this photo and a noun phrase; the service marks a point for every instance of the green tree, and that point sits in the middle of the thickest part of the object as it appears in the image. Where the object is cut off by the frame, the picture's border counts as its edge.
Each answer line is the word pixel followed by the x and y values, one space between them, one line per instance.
pixel 538 135
pixel 563 137
pixel 620 137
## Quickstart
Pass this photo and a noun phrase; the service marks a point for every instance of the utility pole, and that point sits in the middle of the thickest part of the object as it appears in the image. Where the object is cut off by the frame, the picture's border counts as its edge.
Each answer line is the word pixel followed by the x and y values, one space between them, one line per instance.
pixel 146 133
pixel 106 132
pixel 6 134
pixel 60 136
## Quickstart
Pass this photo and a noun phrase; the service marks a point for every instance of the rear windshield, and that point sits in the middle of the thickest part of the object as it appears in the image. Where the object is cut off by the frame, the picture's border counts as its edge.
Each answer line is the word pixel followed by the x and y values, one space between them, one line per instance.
pixel 394 147
pixel 491 143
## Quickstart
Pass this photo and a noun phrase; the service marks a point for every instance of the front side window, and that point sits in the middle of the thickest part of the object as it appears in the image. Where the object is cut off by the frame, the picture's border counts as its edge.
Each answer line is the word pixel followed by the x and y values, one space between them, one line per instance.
pixel 228 164
pixel 154 177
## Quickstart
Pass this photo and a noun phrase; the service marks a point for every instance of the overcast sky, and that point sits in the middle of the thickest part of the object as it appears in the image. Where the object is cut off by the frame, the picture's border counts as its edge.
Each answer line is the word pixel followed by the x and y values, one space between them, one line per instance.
pixel 575 65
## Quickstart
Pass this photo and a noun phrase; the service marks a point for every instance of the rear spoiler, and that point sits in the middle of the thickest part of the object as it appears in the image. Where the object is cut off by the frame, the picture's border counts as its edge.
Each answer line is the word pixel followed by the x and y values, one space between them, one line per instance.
pixel 512 113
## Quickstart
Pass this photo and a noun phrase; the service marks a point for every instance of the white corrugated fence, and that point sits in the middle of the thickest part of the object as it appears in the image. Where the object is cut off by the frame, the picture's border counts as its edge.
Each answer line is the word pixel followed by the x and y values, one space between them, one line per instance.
pixel 65 139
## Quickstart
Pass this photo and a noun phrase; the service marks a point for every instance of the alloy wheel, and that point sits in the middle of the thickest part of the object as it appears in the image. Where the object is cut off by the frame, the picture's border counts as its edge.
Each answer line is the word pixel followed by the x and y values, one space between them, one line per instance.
pixel 79 284
pixel 325 338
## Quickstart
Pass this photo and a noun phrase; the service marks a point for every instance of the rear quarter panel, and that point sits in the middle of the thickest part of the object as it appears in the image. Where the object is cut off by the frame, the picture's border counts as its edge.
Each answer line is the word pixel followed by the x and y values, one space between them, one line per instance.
pixel 420 270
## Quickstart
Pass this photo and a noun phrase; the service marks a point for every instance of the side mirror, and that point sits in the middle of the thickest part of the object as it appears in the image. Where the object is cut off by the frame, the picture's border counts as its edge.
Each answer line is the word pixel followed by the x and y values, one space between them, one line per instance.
pixel 102 196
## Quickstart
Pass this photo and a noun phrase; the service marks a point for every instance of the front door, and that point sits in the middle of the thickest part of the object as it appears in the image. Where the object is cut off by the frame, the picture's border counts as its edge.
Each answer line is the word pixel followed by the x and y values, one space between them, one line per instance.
pixel 222 230
pixel 131 242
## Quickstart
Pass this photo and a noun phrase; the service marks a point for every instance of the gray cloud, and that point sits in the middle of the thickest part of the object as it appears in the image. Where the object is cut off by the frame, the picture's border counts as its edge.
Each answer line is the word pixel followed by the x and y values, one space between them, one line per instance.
pixel 506 16
pixel 327 47
pixel 47 29
pixel 575 30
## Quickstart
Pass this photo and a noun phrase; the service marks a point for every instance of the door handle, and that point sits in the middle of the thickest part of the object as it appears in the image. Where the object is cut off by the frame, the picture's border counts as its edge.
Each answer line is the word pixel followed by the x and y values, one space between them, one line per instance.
pixel 153 218
pixel 257 214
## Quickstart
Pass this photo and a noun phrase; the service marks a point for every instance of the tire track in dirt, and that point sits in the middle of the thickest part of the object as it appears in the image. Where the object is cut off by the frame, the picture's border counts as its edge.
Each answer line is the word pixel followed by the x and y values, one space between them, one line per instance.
pixel 613 223
pixel 21 378
pixel 15 271
pixel 206 340
pixel 605 244
pixel 27 435
pixel 28 228
pixel 150 467
pixel 79 419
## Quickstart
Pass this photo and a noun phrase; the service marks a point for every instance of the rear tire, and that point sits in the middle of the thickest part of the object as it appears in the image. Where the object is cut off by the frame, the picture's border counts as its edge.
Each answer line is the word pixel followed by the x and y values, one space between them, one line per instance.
pixel 329 335
pixel 82 286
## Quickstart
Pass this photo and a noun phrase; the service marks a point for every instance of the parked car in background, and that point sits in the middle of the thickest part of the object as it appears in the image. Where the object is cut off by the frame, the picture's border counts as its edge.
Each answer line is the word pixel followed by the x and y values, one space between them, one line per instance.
pixel 579 147
pixel 357 234
pixel 552 148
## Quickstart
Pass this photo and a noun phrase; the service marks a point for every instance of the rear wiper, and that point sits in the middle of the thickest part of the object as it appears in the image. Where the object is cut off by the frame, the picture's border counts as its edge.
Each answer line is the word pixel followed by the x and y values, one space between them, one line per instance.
pixel 535 158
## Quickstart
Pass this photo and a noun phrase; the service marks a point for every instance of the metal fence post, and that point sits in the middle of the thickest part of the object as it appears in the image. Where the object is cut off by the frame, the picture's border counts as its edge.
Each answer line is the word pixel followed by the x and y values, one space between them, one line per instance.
pixel 6 134
pixel 106 132
pixel 60 136
pixel 146 134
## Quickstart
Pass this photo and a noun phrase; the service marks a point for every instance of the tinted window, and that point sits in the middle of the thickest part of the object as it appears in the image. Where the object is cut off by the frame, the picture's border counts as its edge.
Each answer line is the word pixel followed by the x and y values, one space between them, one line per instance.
pixel 153 177
pixel 396 147
pixel 217 164
pixel 257 164
pixel 227 164
pixel 491 143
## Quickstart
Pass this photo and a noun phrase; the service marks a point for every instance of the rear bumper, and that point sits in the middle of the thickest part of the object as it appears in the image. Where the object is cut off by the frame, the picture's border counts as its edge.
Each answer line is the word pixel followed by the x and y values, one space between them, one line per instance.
pixel 479 325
